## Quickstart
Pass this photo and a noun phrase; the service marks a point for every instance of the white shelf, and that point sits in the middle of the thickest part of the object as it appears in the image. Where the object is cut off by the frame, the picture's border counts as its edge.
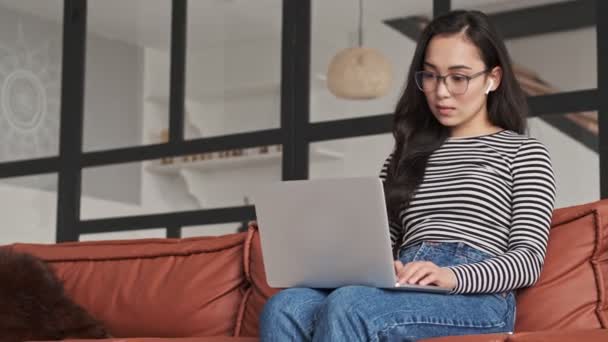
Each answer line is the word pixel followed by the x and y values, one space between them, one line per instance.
pixel 213 95
pixel 234 162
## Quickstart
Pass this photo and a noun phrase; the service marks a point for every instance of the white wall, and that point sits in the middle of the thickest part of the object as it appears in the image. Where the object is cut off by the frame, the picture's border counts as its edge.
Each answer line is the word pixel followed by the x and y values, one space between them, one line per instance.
pixel 112 115
pixel 234 89
pixel 573 68
pixel 576 167
pixel 225 95
pixel 30 214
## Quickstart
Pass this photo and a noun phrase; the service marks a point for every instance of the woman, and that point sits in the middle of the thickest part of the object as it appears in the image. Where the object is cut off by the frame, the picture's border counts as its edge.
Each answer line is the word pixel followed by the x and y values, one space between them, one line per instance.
pixel 469 198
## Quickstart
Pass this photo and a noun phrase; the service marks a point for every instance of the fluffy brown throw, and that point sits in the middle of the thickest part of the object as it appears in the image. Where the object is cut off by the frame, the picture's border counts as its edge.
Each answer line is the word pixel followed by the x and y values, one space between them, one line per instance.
pixel 34 306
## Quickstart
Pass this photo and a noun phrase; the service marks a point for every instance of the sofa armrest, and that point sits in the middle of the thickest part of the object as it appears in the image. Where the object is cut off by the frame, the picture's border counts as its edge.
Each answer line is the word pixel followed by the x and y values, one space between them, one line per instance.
pixel 471 338
pixel 592 335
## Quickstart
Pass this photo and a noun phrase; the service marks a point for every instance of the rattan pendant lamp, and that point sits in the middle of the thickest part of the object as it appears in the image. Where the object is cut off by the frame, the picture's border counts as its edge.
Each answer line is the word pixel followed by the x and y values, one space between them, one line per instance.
pixel 359 73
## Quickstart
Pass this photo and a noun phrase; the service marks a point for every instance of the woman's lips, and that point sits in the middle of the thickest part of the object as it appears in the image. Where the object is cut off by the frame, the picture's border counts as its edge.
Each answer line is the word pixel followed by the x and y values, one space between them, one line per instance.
pixel 445 110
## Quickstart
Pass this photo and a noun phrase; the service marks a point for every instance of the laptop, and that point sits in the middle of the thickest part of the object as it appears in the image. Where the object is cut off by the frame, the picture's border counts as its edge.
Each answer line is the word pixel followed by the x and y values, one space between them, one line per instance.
pixel 327 233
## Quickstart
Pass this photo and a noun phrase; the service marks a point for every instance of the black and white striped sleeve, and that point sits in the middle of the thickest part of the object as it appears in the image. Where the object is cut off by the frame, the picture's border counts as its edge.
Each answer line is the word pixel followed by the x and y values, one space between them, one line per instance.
pixel 532 204
pixel 394 227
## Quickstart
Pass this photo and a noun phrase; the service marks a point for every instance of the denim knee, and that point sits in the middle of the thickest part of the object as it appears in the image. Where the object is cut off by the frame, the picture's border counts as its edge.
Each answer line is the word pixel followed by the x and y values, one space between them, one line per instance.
pixel 346 300
pixel 290 314
pixel 343 318
pixel 282 304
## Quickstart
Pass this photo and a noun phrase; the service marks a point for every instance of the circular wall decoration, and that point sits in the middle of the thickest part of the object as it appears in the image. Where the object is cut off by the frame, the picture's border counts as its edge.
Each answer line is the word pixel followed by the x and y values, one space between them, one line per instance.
pixel 23 100
pixel 29 100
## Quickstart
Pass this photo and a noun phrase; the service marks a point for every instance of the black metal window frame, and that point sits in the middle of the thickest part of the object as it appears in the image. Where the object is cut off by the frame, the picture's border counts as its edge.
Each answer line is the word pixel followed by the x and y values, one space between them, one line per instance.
pixel 295 133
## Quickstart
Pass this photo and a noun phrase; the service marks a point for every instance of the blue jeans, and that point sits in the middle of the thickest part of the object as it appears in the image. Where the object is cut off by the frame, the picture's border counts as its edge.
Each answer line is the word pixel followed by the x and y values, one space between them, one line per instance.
pixel 360 313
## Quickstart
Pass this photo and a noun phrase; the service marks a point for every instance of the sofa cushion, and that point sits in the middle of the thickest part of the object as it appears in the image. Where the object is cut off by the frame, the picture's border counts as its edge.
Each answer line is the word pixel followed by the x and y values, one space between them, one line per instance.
pixel 183 339
pixel 573 285
pixel 258 294
pixel 154 287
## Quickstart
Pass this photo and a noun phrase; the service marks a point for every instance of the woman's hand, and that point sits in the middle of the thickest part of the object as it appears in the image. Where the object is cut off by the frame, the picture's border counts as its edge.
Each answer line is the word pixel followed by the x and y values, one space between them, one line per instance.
pixel 425 273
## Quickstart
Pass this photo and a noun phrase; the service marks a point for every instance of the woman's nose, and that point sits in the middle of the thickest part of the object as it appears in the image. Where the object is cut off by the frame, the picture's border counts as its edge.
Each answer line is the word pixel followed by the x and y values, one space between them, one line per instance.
pixel 442 89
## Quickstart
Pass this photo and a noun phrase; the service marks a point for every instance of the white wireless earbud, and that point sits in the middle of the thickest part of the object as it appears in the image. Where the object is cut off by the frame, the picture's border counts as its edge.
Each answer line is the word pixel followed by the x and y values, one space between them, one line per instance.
pixel 489 87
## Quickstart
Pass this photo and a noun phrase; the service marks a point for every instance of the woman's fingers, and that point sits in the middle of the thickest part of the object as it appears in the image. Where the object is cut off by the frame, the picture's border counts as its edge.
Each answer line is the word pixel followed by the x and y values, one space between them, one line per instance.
pixel 413 272
pixel 407 271
pixel 398 267
pixel 430 278
pixel 422 272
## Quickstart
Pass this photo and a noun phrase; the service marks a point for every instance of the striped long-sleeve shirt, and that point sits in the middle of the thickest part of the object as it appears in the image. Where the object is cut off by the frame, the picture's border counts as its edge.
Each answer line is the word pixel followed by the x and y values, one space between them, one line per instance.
pixel 493 192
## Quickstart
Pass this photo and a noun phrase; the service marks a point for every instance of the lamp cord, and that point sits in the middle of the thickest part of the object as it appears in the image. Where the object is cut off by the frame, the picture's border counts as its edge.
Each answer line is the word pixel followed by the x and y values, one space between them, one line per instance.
pixel 360 23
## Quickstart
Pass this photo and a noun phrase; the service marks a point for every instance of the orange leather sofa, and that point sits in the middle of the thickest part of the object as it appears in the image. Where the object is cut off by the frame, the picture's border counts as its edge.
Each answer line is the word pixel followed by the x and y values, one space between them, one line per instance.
pixel 213 288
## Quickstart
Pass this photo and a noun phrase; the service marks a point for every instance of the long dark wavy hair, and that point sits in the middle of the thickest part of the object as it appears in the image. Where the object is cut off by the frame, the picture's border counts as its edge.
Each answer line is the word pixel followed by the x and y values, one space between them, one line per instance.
pixel 417 132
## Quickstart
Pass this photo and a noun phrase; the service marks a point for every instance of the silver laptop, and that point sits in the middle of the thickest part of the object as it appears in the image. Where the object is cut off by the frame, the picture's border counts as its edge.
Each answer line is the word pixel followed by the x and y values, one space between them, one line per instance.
pixel 327 233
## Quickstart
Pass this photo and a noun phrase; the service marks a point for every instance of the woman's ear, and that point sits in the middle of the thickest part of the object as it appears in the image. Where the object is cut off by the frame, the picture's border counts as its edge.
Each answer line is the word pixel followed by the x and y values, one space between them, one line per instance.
pixel 495 76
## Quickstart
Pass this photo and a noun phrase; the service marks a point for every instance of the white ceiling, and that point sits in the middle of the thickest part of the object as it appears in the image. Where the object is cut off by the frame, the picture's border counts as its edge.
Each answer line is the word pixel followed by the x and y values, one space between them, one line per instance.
pixel 217 22
pixel 148 22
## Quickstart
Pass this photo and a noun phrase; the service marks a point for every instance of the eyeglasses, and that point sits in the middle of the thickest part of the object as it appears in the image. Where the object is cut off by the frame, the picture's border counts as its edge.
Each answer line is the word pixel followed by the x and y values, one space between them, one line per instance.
pixel 457 84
